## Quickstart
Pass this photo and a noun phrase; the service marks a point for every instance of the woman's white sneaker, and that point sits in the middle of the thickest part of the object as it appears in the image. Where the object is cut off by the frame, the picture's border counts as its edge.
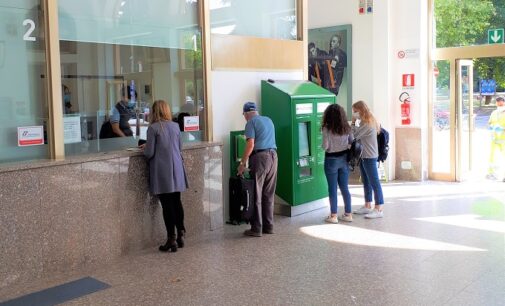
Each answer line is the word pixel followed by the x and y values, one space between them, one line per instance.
pixel 346 218
pixel 363 210
pixel 375 214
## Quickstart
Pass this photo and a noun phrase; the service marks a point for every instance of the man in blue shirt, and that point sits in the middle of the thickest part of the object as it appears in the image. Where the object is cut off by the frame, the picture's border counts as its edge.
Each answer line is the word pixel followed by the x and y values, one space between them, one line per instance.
pixel 122 113
pixel 261 153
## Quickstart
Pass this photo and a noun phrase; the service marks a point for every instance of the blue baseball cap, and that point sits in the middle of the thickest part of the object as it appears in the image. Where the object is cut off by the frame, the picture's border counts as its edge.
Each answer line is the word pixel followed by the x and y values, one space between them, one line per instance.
pixel 249 107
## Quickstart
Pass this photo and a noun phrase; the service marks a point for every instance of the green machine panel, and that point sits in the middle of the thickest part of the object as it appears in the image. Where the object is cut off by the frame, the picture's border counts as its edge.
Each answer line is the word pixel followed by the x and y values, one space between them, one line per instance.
pixel 296 108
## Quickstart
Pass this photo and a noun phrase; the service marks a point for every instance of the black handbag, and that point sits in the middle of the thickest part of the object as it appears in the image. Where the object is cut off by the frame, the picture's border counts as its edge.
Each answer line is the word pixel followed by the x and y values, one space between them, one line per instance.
pixel 354 154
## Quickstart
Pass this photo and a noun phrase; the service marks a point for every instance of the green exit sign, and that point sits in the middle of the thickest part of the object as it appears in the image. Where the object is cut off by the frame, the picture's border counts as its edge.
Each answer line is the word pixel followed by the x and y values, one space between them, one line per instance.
pixel 495 36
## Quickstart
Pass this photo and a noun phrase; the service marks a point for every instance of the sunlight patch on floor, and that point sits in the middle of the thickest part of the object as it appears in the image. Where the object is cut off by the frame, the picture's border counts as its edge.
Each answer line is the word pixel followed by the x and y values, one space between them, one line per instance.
pixel 360 236
pixel 468 221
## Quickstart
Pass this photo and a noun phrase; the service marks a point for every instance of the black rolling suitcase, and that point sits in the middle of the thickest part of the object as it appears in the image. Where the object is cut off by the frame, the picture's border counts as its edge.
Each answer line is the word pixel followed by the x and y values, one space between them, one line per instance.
pixel 241 199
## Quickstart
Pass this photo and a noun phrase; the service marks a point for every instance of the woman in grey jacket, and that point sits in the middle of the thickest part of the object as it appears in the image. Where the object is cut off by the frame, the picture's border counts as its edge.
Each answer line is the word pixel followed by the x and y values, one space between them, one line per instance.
pixel 167 175
pixel 367 132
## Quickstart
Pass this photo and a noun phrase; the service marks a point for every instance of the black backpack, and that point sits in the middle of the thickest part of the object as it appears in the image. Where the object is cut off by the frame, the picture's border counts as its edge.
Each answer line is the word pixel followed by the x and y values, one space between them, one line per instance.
pixel 354 154
pixel 383 144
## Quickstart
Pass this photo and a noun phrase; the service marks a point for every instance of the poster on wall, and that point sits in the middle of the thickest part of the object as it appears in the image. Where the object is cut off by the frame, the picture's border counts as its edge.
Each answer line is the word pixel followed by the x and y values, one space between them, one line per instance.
pixel 369 6
pixel 330 64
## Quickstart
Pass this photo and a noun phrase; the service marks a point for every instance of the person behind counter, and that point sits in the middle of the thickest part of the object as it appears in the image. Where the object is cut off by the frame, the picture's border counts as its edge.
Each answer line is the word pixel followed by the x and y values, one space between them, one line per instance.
pixel 167 175
pixel 122 113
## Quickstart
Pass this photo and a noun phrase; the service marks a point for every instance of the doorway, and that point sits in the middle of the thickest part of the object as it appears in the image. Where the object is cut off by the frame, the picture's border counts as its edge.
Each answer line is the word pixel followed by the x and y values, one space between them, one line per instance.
pixel 464 92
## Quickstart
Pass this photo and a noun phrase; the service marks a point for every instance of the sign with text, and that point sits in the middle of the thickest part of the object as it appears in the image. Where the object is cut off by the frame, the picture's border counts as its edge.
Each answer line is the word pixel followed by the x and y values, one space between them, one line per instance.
pixel 191 123
pixel 30 136
pixel 408 53
pixel 71 129
pixel 488 87
pixel 495 36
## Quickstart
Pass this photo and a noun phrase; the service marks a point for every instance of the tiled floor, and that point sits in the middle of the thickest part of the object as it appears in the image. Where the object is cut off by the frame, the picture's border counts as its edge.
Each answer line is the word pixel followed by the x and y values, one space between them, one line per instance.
pixel 438 244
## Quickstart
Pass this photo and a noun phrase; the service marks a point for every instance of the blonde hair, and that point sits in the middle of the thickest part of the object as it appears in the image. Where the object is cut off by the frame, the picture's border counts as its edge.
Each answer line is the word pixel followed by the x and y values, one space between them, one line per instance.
pixel 366 115
pixel 160 112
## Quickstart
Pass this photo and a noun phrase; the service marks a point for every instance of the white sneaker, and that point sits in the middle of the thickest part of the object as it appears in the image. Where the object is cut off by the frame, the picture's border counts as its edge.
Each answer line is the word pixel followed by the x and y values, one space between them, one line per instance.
pixel 346 218
pixel 363 210
pixel 331 219
pixel 375 214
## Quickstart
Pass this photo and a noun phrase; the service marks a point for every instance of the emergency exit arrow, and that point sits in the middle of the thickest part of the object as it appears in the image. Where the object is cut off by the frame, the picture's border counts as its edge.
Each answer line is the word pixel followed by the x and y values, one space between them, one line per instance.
pixel 495 36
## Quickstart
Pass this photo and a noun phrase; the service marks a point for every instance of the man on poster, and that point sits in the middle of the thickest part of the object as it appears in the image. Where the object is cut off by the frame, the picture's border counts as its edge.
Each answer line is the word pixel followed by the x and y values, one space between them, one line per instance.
pixel 335 64
pixel 316 62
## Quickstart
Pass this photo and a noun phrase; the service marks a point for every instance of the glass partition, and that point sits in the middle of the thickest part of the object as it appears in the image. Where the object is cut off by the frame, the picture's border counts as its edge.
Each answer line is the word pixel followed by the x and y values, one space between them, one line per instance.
pixel 117 58
pixel 261 18
pixel 24 115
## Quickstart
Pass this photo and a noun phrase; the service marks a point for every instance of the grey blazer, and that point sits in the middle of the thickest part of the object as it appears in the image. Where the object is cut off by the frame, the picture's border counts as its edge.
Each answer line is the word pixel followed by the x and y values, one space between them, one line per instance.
pixel 164 152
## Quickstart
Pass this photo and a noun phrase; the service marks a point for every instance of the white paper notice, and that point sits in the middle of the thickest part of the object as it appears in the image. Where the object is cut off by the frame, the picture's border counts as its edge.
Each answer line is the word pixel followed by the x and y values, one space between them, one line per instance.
pixel 72 129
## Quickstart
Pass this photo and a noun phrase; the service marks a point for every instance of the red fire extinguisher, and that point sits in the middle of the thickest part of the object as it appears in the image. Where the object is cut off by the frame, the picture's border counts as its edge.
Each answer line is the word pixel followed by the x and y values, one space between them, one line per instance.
pixel 405 107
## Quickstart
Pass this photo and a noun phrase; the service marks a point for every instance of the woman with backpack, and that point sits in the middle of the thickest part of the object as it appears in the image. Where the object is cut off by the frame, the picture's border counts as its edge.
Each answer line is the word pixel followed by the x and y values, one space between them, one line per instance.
pixel 337 137
pixel 366 131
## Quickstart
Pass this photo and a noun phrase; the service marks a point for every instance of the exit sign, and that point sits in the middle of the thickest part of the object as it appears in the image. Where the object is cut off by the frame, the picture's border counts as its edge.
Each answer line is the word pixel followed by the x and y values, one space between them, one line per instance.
pixel 495 36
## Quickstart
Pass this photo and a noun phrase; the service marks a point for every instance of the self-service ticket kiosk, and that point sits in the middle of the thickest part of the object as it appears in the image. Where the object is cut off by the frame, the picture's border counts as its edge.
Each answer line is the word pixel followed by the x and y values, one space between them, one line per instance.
pixel 296 108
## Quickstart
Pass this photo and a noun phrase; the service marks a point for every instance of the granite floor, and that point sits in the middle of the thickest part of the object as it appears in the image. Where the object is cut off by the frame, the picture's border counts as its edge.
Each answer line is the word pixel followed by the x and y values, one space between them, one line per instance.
pixel 438 244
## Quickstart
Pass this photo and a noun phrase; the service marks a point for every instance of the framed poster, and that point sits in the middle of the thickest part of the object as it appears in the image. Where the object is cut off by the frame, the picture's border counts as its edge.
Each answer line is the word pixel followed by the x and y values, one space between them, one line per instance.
pixel 330 62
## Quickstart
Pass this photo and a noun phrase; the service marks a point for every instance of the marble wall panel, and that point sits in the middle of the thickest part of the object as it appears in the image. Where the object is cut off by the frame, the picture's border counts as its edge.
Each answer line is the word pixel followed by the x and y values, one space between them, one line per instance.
pixel 61 217
pixel 409 151
pixel 214 185
pixel 21 246
pixel 195 198
pixel 100 200
pixel 140 214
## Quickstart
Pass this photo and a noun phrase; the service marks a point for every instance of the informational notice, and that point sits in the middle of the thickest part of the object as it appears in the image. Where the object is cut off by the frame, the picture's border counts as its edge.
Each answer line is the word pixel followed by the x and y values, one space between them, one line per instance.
pixel 71 129
pixel 191 123
pixel 304 108
pixel 321 106
pixel 30 136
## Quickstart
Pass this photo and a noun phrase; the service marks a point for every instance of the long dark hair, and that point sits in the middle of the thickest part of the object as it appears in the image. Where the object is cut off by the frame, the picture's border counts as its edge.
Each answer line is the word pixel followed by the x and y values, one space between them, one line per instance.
pixel 335 120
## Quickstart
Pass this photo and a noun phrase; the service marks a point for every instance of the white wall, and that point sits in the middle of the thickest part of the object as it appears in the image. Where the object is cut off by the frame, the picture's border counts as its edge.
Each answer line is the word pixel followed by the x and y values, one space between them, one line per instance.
pixel 327 13
pixel 377 71
pixel 230 90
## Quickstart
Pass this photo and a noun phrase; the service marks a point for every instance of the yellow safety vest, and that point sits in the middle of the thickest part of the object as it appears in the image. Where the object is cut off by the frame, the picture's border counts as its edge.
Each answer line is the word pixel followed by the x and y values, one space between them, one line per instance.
pixel 497 120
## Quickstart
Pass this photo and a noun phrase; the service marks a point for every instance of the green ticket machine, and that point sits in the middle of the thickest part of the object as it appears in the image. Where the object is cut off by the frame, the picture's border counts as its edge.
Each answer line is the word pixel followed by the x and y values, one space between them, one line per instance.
pixel 296 108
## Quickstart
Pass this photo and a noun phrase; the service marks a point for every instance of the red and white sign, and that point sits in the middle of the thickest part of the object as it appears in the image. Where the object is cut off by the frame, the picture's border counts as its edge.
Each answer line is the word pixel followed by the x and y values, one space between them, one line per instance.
pixel 408 80
pixel 30 136
pixel 191 123
pixel 436 72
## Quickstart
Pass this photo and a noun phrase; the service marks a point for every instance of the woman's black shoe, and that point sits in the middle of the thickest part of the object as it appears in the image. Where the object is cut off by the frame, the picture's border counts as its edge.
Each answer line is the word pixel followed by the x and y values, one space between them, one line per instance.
pixel 171 246
pixel 180 238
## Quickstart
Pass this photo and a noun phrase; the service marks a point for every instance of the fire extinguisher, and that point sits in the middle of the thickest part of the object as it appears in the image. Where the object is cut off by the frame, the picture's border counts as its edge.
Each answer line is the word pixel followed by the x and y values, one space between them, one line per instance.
pixel 405 107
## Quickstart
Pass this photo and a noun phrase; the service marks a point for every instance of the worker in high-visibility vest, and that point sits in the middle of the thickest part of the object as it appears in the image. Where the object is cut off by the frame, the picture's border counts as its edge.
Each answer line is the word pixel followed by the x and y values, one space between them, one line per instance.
pixel 497 127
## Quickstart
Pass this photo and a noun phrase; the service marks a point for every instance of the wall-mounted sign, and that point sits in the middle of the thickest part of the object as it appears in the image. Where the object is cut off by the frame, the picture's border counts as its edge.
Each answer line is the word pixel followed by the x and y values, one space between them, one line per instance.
pixel 495 36
pixel 71 129
pixel 408 53
pixel 191 123
pixel 488 87
pixel 361 9
pixel 408 80
pixel 30 136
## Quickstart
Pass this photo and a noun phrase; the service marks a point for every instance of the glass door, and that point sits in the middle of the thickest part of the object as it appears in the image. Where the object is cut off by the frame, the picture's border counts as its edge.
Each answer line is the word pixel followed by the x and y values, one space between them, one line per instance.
pixel 464 118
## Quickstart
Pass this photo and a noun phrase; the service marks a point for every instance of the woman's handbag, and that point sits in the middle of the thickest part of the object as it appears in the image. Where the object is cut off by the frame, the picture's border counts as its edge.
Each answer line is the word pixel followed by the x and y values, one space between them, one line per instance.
pixel 354 154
